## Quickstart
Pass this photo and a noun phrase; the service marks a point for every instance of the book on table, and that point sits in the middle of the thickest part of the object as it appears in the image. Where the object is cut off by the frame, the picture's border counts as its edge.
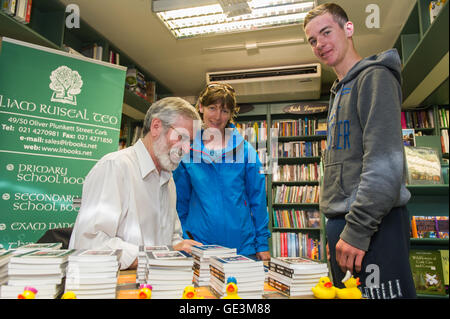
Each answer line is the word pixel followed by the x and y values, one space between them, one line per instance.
pixel 169 272
pixel 202 255
pixel 44 270
pixel 93 273
pixel 295 276
pixel 141 270
pixel 249 275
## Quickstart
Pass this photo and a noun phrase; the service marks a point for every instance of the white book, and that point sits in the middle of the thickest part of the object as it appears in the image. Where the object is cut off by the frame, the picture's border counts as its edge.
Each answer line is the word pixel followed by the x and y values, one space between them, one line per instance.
pixel 95 255
pixel 169 258
pixel 212 250
pixel 33 281
pixel 235 262
pixel 74 286
pixel 56 256
pixel 77 280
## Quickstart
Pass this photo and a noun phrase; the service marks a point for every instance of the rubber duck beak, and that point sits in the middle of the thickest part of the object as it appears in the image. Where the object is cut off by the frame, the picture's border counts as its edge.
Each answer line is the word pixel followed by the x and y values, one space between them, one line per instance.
pixel 328 285
pixel 190 294
pixel 358 282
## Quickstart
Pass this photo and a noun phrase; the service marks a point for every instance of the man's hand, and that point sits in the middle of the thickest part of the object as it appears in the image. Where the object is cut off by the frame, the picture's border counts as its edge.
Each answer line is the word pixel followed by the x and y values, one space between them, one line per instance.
pixel 348 256
pixel 263 255
pixel 186 245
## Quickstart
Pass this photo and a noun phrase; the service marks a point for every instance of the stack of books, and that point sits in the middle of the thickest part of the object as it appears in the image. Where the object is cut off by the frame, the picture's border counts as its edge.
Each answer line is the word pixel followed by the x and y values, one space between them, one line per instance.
pixel 92 274
pixel 249 275
pixel 169 272
pixel 43 270
pixel 295 276
pixel 202 255
pixel 5 256
pixel 142 271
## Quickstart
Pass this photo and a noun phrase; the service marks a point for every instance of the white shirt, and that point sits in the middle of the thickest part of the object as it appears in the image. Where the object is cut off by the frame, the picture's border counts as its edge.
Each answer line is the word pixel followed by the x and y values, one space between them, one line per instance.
pixel 127 203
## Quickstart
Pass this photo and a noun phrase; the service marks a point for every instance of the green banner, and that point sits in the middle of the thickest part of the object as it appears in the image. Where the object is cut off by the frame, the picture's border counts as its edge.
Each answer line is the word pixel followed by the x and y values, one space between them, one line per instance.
pixel 59 114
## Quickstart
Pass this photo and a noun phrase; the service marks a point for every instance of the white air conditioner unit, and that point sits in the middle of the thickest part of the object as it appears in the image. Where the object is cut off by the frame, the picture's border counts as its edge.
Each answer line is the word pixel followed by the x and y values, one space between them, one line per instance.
pixel 285 83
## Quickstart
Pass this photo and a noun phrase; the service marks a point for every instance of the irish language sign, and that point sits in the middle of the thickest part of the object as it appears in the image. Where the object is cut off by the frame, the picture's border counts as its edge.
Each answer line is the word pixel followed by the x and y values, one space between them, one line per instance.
pixel 59 114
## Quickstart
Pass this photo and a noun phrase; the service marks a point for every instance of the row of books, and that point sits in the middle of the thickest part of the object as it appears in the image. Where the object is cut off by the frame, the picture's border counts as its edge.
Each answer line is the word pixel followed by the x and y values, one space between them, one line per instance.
pixel 443 117
pixel 430 270
pixel 301 127
pixel 305 194
pixel 293 218
pixel 300 149
pixel 417 119
pixel 295 276
pixel 290 244
pixel 18 9
pixel 429 227
pixel 136 82
pixel 51 270
pixel 253 132
pixel 293 173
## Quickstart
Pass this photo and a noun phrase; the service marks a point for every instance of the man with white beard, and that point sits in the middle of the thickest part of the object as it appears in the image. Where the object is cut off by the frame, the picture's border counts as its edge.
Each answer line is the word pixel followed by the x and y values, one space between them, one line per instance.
pixel 129 196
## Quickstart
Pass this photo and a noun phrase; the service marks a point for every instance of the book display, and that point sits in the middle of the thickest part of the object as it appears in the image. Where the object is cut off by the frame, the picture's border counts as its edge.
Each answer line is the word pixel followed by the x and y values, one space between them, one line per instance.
pixel 92 274
pixel 428 274
pixel 44 270
pixel 295 276
pixel 248 273
pixel 202 256
pixel 169 272
pixel 423 166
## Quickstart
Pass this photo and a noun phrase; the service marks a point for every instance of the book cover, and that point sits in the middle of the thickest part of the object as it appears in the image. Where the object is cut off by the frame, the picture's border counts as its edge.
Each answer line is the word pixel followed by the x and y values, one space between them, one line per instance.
pixel 408 137
pixel 426 267
pixel 424 166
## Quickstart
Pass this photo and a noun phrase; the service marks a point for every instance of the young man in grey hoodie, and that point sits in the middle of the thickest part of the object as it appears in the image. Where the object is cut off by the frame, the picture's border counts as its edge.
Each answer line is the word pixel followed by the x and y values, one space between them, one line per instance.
pixel 363 194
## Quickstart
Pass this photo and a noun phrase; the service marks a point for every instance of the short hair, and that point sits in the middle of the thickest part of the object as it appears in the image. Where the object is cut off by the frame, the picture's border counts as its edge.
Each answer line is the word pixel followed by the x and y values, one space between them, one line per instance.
pixel 167 110
pixel 339 15
pixel 221 93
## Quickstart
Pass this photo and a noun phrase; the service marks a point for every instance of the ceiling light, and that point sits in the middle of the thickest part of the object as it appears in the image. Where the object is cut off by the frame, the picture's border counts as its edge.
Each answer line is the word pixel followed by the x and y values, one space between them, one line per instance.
pixel 211 17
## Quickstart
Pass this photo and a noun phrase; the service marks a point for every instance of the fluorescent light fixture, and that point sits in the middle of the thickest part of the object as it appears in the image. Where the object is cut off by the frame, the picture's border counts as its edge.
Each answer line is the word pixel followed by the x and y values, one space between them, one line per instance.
pixel 210 17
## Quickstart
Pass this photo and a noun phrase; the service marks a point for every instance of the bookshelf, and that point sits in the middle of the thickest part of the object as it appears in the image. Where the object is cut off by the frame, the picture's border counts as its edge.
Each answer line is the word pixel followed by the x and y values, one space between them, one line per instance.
pixel 47 28
pixel 421 43
pixel 269 114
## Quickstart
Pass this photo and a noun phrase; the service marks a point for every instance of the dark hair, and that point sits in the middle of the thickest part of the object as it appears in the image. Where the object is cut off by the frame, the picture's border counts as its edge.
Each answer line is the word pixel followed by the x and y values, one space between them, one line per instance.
pixel 221 93
pixel 339 15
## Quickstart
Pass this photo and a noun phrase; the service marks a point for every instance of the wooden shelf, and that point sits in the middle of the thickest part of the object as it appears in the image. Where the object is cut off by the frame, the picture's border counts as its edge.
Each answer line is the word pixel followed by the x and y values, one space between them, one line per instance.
pixel 301 138
pixel 286 229
pixel 430 241
pixel 441 189
pixel 294 183
pixel 298 160
pixel 294 205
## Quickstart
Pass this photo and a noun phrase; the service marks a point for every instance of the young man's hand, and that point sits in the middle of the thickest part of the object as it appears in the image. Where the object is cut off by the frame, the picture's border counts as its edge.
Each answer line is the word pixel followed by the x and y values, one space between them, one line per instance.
pixel 348 256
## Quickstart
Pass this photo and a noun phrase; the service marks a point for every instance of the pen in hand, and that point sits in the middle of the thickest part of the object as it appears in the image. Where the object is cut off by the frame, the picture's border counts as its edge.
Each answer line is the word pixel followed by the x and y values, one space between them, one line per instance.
pixel 189 234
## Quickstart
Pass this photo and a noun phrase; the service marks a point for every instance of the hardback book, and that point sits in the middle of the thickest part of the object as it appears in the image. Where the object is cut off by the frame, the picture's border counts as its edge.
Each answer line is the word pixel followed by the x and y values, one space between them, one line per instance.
pixel 428 275
pixel 9 6
pixel 424 166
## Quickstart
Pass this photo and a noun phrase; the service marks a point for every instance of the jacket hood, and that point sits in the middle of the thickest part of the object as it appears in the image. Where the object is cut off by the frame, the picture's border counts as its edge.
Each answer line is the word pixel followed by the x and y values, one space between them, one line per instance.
pixel 389 59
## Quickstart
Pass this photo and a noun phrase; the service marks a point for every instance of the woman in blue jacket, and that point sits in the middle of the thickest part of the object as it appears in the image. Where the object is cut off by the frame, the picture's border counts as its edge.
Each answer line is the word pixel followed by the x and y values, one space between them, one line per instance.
pixel 221 193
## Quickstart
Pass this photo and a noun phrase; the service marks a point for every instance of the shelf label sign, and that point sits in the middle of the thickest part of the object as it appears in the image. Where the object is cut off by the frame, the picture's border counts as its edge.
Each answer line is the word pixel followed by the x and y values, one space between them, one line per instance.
pixel 306 108
pixel 59 114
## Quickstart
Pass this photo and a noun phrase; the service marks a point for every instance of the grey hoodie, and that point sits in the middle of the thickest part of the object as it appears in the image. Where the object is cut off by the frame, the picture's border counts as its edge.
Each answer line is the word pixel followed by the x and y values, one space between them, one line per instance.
pixel 364 168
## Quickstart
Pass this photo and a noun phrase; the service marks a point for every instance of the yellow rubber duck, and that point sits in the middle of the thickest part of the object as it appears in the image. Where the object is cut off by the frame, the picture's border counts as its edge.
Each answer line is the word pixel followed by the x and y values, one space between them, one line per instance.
pixel 69 295
pixel 351 290
pixel 145 292
pixel 231 289
pixel 28 293
pixel 190 293
pixel 324 289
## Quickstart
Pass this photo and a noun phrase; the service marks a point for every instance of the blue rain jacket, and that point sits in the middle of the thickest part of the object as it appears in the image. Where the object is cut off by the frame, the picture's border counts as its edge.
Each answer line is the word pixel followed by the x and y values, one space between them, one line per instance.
pixel 221 197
